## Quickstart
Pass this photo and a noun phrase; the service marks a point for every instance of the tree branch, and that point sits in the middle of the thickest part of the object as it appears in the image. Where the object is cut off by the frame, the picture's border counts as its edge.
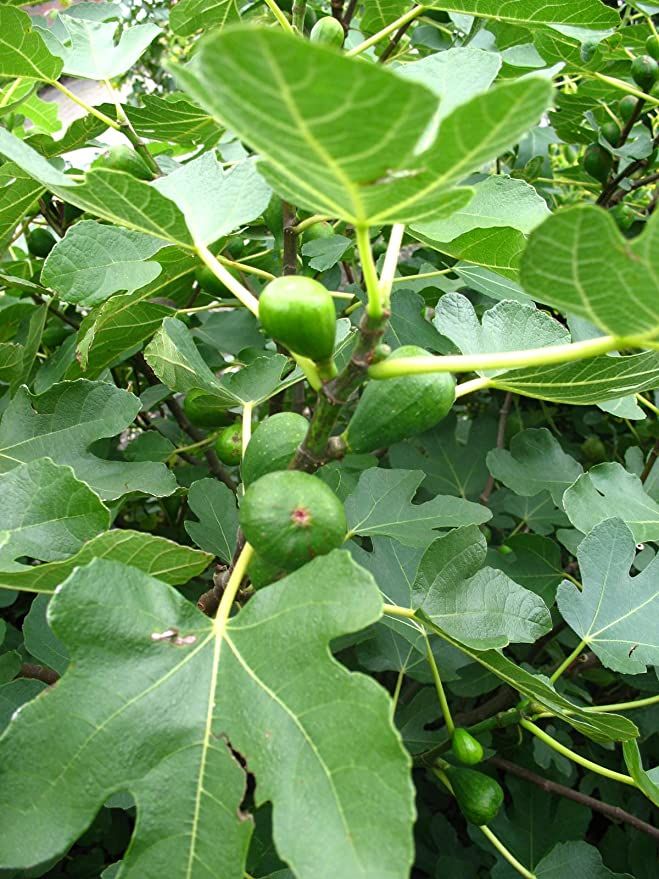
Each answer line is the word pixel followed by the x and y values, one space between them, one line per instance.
pixel 186 426
pixel 614 813
pixel 298 12
pixel 337 10
pixel 631 122
pixel 72 322
pixel 350 11
pixel 39 673
pixel 504 412
pixel 649 464
pixel 335 394
pixel 289 261
pixel 631 169
pixel 503 698
pixel 393 42
pixel 618 196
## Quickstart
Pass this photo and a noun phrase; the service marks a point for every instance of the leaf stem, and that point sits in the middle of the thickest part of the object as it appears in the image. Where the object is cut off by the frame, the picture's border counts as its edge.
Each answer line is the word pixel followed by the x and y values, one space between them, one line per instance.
pixel 374 307
pixel 439 686
pixel 422 275
pixel 391 262
pixel 86 107
pixel 247 424
pixel 476 384
pixel 409 16
pixel 623 86
pixel 625 706
pixel 303 225
pixel 506 853
pixel 393 610
pixel 553 354
pixel 207 441
pixel 231 590
pixel 567 662
pixel 565 181
pixel 248 270
pixel 604 709
pixel 572 755
pixel 309 369
pixel 647 403
pixel 279 15
pixel 396 694
pixel 241 292
pixel 256 255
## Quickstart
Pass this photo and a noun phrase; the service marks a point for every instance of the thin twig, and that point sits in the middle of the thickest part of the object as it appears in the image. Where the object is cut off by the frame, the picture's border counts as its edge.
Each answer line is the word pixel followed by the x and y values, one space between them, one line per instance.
pixel 391 28
pixel 184 423
pixel 649 464
pixel 350 11
pixel 618 196
pixel 289 258
pixel 393 42
pixel 644 181
pixel 631 122
pixel 615 813
pixel 504 412
pixel 631 169
pixel 502 699
pixel 72 322
pixel 212 460
pixel 127 129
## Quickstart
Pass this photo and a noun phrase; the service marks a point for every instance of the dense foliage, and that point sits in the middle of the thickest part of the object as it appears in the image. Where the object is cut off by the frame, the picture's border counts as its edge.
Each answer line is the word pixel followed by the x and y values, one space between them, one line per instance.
pixel 329 349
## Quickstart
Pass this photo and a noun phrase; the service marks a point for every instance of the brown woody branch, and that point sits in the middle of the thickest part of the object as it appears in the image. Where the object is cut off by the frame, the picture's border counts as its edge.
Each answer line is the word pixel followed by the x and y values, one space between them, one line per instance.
pixel 39 673
pixel 618 196
pixel 350 11
pixel 337 10
pixel 504 412
pixel 614 813
pixel 629 171
pixel 289 262
pixel 209 602
pixel 393 42
pixel 631 122
pixel 184 423
pixel 649 464
pixel 503 698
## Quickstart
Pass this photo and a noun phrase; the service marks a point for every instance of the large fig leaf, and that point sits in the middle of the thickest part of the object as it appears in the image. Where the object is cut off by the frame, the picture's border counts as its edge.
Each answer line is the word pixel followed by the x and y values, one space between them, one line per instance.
pixel 614 614
pixel 382 165
pixel 165 700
